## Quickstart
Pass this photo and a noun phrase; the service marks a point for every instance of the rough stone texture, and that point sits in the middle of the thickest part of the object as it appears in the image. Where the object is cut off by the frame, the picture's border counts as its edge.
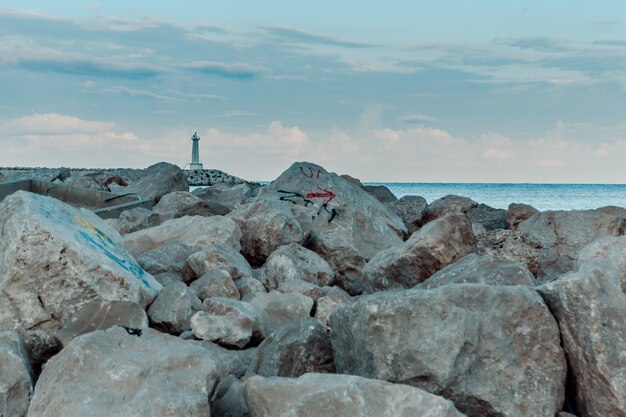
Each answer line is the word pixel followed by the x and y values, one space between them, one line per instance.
pixel 248 287
pixel 265 225
pixel 410 208
pixel 200 177
pixel 228 399
pixel 609 254
pixel 16 375
pixel 591 312
pixel 135 219
pixel 314 395
pixel 481 269
pixel 215 283
pixel 613 211
pixel 279 309
pixel 194 231
pixel 167 278
pixel 564 233
pixel 294 349
pixel 54 259
pixel 491 218
pixel 111 373
pixel 225 321
pixel 293 262
pixel 301 287
pixel 493 350
pixel 173 308
pixel 230 361
pixel 101 315
pixel 42 174
pixel 217 256
pixel 183 203
pixel 437 244
pixel 169 257
pixel 158 180
pixel 83 181
pixel 331 301
pixel 512 245
pixel 342 257
pixel 229 196
pixel 381 193
pixel 517 213
pixel 446 205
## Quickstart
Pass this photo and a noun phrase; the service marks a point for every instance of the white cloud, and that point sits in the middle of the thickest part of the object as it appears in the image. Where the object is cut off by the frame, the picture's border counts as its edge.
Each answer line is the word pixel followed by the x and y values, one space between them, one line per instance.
pixel 417 118
pixel 54 124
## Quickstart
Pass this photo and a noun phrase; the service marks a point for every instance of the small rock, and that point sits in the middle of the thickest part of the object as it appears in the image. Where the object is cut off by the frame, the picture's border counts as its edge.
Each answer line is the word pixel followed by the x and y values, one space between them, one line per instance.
pixel 248 287
pixel 135 219
pixel 293 262
pixel 173 308
pixel 169 257
pixel 331 301
pixel 215 283
pixel 410 208
pixel 225 321
pixel 279 309
pixel 216 256
pixel 517 213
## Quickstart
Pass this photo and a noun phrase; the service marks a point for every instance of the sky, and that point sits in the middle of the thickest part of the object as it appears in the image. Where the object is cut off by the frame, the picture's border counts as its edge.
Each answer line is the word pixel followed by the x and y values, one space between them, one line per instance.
pixel 412 91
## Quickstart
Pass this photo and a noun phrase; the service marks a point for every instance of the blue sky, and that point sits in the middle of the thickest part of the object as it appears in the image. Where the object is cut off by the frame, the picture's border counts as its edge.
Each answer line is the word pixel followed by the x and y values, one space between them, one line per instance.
pixel 463 91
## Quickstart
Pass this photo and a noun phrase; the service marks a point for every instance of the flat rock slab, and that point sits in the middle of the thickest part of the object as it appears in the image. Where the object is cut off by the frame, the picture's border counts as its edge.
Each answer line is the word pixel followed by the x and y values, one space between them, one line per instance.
pixel 111 373
pixel 314 395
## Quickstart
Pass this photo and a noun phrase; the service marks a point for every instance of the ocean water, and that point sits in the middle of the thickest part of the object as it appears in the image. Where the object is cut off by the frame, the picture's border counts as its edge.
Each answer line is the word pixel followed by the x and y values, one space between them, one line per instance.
pixel 541 196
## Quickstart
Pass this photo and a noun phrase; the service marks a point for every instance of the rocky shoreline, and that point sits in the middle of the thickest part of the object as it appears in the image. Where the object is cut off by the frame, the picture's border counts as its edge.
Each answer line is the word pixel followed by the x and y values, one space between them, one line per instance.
pixel 311 296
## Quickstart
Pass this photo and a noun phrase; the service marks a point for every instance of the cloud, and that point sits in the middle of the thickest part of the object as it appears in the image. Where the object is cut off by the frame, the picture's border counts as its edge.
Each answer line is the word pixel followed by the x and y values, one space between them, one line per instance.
pixel 536 43
pixel 240 71
pixel 54 124
pixel 140 93
pixel 417 118
pixel 299 36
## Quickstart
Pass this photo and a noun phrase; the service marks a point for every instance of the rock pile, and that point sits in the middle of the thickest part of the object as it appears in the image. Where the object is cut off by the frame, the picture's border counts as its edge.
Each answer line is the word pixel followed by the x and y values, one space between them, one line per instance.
pixel 311 296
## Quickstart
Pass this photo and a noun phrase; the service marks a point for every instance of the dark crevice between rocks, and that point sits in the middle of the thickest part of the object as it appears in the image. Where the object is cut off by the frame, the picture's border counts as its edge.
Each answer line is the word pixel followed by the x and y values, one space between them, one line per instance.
pixel 570 393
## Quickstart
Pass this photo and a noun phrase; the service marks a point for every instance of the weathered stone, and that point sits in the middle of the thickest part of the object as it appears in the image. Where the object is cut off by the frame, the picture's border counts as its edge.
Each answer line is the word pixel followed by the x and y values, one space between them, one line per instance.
pixel 169 257
pixel 489 217
pixel 230 196
pixel 613 211
pixel 437 244
pixel 342 257
pixel 293 262
pixel 173 308
pixel 194 231
pixel 380 193
pixel 265 226
pixel 167 278
pixel 83 181
pixel 228 399
pixel 16 375
pixel 216 256
pixel 447 205
pixel 517 213
pixel 313 395
pixel 42 174
pixel 158 180
pixel 230 361
pixel 492 350
pixel 215 283
pixel 564 233
pixel 135 219
pixel 279 309
pixel 54 259
pixel 225 321
pixel 296 348
pixel 512 245
pixel 481 269
pixel 354 181
pixel 609 254
pixel 410 208
pixel 301 287
pixel 591 312
pixel 111 373
pixel 331 301
pixel 478 229
pixel 183 203
pixel 101 315
pixel 248 287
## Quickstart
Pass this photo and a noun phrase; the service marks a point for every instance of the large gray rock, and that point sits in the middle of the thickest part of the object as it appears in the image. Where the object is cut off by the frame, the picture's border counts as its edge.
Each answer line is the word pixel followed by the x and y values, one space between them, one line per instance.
pixel 313 395
pixel 517 213
pixel 564 233
pixel 591 312
pixel 489 217
pixel 481 269
pixel 54 259
pixel 296 348
pixel 225 321
pixel 135 219
pixel 293 262
pixel 279 309
pixel 16 375
pixel 410 208
pixel 437 244
pixel 230 361
pixel 173 308
pixel 169 257
pixel 493 350
pixel 216 256
pixel 230 196
pixel 111 373
pixel 609 254
pixel 512 245
pixel 215 283
pixel 158 180
pixel 183 203
pixel 380 192
pixel 194 231
pixel 447 205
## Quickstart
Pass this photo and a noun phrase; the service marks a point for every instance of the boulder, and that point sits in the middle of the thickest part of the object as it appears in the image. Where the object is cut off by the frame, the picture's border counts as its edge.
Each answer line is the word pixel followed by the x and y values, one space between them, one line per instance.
pixel 167 278
pixel 447 205
pixel 613 211
pixel 293 262
pixel 512 245
pixel 173 308
pixel 491 218
pixel 437 244
pixel 84 181
pixel 158 180
pixel 112 373
pixel 135 219
pixel 591 312
pixel 279 309
pixel 169 257
pixel 564 233
pixel 215 283
pixel 517 213
pixel 481 269
pixel 294 349
pixel 301 287
pixel 216 256
pixel 230 196
pixel 493 350
pixel 182 203
pixel 54 259
pixel 225 321
pixel 609 254
pixel 334 298
pixel 194 231
pixel 313 395
pixel 16 375
pixel 102 315
pixel 230 361
pixel 381 193
pixel 248 287
pixel 410 209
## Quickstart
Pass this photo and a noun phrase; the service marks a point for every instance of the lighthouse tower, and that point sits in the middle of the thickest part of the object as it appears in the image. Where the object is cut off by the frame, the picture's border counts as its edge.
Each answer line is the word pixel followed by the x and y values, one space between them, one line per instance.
pixel 195 154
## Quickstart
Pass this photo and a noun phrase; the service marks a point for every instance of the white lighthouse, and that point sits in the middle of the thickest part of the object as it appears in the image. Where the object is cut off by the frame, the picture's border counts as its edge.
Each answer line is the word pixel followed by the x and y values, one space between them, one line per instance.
pixel 195 154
